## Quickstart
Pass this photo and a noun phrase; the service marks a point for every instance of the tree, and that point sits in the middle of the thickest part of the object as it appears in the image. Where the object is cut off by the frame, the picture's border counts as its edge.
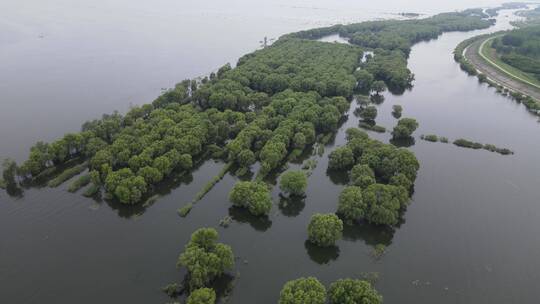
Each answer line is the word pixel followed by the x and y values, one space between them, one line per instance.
pixel 362 176
pixel 202 296
pixel 9 172
pixel 369 113
pixel 396 111
pixel 254 196
pixel 355 133
pixel 151 175
pixel 204 258
pixel 349 291
pixel 378 86
pixel 384 203
pixel 293 182
pixel 245 158
pixel 303 291
pixel 341 158
pixel 325 229
pixel 404 128
pixel 351 205
pixel 364 80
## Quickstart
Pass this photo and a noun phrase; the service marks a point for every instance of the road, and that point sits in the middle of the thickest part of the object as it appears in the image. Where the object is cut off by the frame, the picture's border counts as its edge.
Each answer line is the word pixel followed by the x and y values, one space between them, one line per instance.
pixel 498 74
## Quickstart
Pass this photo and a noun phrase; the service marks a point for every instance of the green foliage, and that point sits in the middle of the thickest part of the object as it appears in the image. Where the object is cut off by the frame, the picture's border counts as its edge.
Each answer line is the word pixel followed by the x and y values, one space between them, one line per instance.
pixel 354 133
pixel 476 145
pixel 202 296
pixel 364 80
pixel 184 211
pixel 302 291
pixel 430 137
pixel 397 111
pixel 341 158
pixel 79 183
pixel 293 182
pixel 384 203
pixel 349 291
pixel 371 127
pixel 362 176
pixel 404 128
pixel 254 196
pixel 92 190
pixel 9 172
pixel 369 113
pixel 204 258
pixel 351 205
pixel 325 229
pixel 378 86
pixel 67 174
pixel 172 289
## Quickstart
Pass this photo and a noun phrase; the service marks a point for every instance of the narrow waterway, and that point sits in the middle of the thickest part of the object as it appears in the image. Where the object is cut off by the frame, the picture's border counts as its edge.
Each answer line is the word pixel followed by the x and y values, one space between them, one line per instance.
pixel 469 236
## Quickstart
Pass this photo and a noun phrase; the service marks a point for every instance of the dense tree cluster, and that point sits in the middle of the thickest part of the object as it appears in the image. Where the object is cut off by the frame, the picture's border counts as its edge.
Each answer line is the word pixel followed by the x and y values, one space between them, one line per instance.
pixel 205 259
pixel 325 229
pixel 344 291
pixel 254 196
pixel 381 177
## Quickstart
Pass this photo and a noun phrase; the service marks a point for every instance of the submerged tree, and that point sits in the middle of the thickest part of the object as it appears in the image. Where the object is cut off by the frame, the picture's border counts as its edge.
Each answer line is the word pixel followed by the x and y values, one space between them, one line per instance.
pixel 353 292
pixel 351 205
pixel 204 258
pixel 404 128
pixel 202 296
pixel 302 291
pixel 254 196
pixel 325 229
pixel 293 182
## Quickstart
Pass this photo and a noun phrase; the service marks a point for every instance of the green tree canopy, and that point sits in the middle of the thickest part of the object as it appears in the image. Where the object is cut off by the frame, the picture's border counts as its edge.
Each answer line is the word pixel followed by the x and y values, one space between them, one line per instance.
pixel 293 182
pixel 349 291
pixel 303 291
pixel 254 196
pixel 325 229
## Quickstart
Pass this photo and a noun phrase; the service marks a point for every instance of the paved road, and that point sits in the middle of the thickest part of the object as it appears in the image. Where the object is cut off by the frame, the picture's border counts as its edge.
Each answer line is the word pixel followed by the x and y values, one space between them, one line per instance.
pixel 495 74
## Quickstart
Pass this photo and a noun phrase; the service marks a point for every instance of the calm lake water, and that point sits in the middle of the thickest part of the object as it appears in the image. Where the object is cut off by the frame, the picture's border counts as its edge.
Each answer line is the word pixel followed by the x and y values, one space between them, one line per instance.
pixel 469 236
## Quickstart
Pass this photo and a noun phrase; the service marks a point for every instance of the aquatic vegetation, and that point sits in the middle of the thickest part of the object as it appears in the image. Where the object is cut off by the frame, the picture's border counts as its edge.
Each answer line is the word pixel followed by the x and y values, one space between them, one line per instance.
pixel 67 174
pixel 303 290
pixel 371 127
pixel 325 229
pixel 430 137
pixel 368 113
pixel 79 183
pixel 353 291
pixel 254 196
pixel 397 110
pixel 404 128
pixel 378 251
pixel 202 296
pixel 476 145
pixel 351 205
pixel 204 258
pixel 293 183
pixel 184 211
pixel 173 289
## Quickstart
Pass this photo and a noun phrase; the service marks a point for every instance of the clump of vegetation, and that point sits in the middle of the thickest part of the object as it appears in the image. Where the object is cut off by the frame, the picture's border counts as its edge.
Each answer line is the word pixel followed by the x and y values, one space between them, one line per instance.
pixel 371 127
pixel 184 211
pixel 353 291
pixel 368 113
pixel 254 196
pixel 378 251
pixel 430 137
pixel 381 178
pixel 351 204
pixel 404 128
pixel 443 140
pixel 293 183
pixel 79 183
pixel 397 110
pixel 341 158
pixel 476 145
pixel 202 296
pixel 325 229
pixel 303 290
pixel 9 173
pixel 204 258
pixel 67 174
pixel 92 190
pixel 211 183
pixel 226 221
pixel 173 289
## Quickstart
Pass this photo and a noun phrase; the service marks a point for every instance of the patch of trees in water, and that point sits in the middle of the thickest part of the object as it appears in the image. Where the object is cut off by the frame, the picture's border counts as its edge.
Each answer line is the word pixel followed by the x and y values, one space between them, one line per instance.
pixel 381 179
pixel 310 290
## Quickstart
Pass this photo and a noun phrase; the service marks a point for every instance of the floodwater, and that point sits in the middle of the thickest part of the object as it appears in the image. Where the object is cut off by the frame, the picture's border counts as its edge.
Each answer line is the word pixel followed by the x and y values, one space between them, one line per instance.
pixel 469 236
